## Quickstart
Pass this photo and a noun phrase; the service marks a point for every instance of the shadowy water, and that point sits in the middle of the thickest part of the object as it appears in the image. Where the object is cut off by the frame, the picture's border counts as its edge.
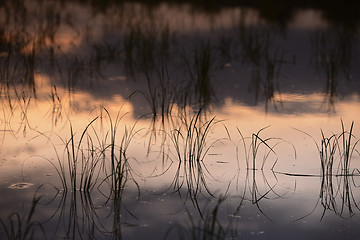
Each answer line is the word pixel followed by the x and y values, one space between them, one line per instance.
pixel 179 120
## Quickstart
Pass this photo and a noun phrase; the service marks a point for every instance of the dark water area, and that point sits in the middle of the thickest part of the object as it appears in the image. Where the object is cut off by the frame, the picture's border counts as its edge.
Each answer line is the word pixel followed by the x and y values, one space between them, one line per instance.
pixel 273 11
pixel 179 119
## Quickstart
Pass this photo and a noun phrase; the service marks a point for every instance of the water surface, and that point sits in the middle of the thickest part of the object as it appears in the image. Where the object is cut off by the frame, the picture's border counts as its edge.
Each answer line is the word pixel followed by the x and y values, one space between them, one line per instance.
pixel 129 121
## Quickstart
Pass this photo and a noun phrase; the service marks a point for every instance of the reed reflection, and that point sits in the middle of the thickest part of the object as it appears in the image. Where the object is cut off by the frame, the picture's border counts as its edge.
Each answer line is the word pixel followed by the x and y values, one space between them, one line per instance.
pixel 19 226
pixel 259 155
pixel 210 226
pixel 338 173
pixel 338 188
pixel 175 82
pixel 134 45
pixel 266 62
pixel 333 55
pixel 93 165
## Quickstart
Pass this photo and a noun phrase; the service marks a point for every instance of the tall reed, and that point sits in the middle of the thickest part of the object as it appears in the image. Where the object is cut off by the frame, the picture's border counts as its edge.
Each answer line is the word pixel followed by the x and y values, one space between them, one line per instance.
pixel 79 167
pixel 336 153
pixel 120 172
pixel 191 143
pixel 257 152
pixel 338 149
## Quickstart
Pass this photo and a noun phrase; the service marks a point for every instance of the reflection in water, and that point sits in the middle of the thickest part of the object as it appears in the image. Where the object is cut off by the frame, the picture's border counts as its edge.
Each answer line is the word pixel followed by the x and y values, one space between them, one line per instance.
pixel 115 105
pixel 333 54
pixel 256 45
pixel 130 45
pixel 146 44
pixel 266 60
pixel 338 191
pixel 204 61
pixel 18 226
pixel 260 181
pixel 191 145
pixel 337 187
pixel 76 215
pixel 339 195
pixel 55 111
pixel 208 227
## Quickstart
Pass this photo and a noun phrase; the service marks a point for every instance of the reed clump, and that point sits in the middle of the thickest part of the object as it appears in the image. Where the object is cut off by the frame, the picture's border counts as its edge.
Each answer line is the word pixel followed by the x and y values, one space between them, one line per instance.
pixel 191 142
pixel 336 154
pixel 337 151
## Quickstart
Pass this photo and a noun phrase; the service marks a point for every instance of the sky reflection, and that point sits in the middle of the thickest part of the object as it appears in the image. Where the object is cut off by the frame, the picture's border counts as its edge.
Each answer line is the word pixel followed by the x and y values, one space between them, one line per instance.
pixel 134 121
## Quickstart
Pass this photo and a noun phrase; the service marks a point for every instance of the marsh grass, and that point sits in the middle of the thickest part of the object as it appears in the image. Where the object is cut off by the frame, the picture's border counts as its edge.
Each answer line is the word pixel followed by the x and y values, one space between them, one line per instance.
pixel 338 149
pixel 87 157
pixel 169 104
pixel 81 161
pixel 91 160
pixel 256 146
pixel 336 153
pixel 119 171
pixel 120 174
pixel 79 167
pixel 191 144
pixel 190 150
pixel 257 152
pixel 94 160
pixel 160 94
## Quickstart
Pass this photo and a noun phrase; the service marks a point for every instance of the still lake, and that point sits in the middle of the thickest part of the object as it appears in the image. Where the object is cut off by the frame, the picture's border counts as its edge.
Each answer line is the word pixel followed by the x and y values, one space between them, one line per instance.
pixel 173 121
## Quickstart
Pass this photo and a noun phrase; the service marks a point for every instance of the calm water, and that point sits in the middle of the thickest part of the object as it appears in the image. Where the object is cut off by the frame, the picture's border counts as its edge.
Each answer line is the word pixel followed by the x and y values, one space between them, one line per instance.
pixel 170 121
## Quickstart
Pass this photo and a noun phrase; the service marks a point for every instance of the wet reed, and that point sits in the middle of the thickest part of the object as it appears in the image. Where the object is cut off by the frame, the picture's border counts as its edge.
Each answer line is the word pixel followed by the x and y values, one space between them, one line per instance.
pixel 191 143
pixel 336 154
